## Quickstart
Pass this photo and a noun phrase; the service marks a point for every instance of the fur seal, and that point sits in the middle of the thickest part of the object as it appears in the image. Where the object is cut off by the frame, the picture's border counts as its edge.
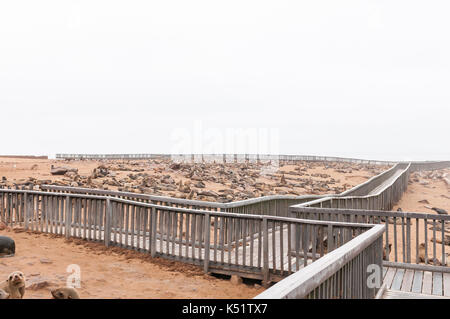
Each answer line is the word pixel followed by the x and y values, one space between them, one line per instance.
pixel 3 294
pixel 7 247
pixel 14 285
pixel 65 293
pixel 422 252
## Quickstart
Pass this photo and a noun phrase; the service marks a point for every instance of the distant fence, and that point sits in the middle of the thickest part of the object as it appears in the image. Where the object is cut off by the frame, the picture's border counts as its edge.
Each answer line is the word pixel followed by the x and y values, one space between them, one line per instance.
pixel 222 158
pixel 230 158
pixel 24 156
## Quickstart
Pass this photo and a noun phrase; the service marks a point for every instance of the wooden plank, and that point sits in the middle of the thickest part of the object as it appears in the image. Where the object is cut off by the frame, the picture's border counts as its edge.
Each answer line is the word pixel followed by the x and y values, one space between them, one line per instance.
pixel 389 277
pixel 398 279
pixel 427 282
pixel 407 280
pixel 437 283
pixel 390 294
pixel 417 282
pixel 446 281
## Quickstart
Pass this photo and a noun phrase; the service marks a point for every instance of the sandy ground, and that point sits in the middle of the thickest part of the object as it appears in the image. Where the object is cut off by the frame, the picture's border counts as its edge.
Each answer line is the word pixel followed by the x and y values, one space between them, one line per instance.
pixel 111 272
pixel 437 193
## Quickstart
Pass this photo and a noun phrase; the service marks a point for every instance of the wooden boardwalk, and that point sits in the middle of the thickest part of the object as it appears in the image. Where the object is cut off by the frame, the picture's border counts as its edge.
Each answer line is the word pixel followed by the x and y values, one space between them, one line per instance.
pixel 408 283
pixel 386 183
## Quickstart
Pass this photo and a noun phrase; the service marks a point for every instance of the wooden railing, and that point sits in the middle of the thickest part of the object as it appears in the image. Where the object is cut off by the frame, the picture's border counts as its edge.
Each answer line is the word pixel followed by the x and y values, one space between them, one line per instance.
pixel 341 274
pixel 383 193
pixel 264 247
pixel 406 232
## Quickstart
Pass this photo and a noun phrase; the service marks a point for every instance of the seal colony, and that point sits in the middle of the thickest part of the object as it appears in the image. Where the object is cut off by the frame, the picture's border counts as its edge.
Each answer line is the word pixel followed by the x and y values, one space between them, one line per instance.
pixel 217 182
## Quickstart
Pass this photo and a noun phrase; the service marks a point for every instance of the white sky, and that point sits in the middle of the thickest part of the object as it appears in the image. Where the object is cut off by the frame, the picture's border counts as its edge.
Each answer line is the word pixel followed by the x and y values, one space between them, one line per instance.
pixel 366 79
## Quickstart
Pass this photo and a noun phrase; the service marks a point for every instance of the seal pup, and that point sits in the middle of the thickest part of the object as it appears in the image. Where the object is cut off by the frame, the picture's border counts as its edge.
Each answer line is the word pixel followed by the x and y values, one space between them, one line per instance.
pixel 7 247
pixel 65 293
pixel 422 252
pixel 3 294
pixel 14 285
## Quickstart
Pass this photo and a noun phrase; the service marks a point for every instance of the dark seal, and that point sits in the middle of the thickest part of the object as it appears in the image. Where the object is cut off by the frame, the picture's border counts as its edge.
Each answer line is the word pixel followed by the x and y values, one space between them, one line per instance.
pixel 7 247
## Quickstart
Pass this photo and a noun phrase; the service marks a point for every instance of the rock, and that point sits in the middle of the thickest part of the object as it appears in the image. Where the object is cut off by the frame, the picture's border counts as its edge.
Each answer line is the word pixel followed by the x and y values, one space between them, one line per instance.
pixel 45 261
pixel 3 226
pixel 236 280
pixel 38 283
pixel 424 201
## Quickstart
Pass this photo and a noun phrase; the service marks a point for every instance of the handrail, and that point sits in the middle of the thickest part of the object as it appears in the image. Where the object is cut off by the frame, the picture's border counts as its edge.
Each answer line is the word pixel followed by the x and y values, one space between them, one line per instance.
pixel 301 283
pixel 374 195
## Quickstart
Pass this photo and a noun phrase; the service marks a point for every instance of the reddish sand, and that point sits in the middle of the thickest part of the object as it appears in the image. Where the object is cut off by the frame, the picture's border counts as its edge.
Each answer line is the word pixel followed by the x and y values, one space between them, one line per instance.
pixel 111 272
pixel 437 193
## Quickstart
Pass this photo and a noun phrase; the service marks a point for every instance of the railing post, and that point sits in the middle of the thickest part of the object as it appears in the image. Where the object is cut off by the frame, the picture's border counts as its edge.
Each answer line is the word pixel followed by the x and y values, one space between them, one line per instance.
pixel 265 252
pixel 207 241
pixel 153 233
pixel 68 217
pixel 25 205
pixel 107 230
pixel 330 243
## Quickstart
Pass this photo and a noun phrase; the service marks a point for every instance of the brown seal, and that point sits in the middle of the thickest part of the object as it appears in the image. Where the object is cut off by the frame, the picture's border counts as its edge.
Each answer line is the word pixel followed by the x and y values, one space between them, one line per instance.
pixel 3 294
pixel 422 252
pixel 7 247
pixel 14 285
pixel 65 293
pixel 389 247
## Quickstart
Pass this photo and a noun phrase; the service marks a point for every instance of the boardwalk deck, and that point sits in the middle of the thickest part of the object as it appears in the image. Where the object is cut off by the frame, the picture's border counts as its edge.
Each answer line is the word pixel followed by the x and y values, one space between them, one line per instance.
pixel 408 283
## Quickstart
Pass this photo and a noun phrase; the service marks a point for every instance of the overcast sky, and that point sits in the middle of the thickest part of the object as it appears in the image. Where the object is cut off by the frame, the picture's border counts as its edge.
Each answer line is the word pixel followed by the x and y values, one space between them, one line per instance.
pixel 366 79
